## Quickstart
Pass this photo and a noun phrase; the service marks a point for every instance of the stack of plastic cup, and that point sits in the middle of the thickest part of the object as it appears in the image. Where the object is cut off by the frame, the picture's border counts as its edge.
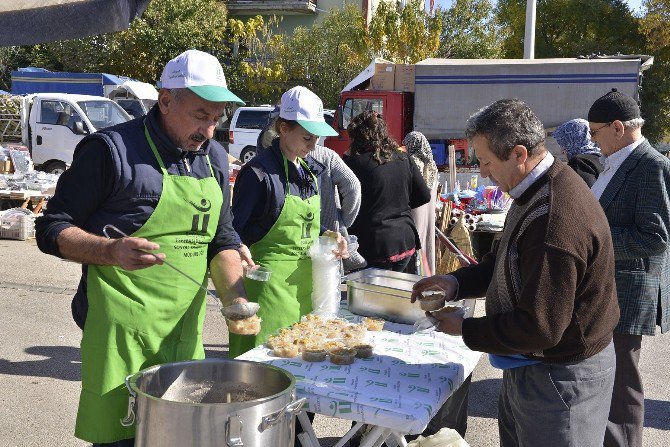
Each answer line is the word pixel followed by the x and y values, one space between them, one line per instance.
pixel 325 277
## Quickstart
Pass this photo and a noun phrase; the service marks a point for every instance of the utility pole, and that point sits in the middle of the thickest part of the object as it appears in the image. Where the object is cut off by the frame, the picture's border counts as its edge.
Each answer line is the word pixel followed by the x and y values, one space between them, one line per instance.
pixel 529 39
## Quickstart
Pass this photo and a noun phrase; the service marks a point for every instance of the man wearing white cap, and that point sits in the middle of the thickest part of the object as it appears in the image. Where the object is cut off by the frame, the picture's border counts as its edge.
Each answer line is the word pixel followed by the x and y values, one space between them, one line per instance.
pixel 276 208
pixel 161 180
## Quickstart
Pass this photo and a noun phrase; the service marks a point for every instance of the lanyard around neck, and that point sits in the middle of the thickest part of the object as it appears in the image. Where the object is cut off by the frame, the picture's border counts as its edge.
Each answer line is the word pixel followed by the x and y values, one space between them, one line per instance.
pixel 304 165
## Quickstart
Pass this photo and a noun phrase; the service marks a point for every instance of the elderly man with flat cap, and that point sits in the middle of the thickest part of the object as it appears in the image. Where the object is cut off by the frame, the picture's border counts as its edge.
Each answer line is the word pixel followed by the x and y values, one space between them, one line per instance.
pixel 632 190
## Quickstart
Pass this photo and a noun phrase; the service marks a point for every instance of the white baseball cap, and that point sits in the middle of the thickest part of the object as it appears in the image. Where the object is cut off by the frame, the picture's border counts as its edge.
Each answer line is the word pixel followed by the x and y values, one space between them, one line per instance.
pixel 199 72
pixel 302 105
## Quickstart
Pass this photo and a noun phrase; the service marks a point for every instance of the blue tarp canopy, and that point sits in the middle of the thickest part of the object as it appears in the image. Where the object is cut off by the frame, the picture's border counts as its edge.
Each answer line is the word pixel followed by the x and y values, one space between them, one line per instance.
pixel 37 80
pixel 26 22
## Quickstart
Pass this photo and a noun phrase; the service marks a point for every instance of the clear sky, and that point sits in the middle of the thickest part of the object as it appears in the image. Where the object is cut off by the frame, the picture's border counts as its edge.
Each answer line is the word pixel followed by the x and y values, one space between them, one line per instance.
pixel 633 4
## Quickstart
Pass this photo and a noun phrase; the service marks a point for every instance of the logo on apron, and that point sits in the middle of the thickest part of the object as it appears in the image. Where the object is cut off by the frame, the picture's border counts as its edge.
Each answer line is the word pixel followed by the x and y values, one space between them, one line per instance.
pixel 200 220
pixel 307 225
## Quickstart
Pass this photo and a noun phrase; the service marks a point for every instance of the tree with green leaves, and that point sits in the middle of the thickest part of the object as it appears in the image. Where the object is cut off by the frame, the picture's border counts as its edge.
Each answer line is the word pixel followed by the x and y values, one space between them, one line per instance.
pixel 252 55
pixel 572 28
pixel 469 31
pixel 327 56
pixel 405 34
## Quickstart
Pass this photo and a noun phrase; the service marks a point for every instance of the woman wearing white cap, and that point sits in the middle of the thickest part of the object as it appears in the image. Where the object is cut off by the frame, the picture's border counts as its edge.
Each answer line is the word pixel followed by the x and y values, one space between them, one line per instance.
pixel 276 209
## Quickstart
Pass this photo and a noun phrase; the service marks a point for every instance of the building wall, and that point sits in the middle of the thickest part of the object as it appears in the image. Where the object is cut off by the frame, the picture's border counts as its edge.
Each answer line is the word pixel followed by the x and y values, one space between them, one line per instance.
pixel 291 22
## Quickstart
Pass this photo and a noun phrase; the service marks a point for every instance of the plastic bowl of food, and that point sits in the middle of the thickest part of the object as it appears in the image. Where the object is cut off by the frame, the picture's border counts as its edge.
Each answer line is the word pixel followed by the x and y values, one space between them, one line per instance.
pixel 257 272
pixel 285 350
pixel 313 354
pixel 373 324
pixel 342 356
pixel 432 298
pixel 247 326
pixel 363 350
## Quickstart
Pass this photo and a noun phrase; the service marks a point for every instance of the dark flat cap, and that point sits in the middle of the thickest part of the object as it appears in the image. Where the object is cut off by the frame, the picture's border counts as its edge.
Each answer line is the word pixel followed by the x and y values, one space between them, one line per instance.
pixel 614 106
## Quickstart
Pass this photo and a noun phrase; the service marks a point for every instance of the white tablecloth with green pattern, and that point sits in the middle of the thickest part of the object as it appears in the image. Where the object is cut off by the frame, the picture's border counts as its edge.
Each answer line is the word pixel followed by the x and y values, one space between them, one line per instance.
pixel 401 387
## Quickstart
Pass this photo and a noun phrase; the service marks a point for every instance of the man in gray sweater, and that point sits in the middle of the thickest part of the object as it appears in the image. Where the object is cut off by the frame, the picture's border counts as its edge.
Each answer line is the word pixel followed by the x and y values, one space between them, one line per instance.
pixel 551 302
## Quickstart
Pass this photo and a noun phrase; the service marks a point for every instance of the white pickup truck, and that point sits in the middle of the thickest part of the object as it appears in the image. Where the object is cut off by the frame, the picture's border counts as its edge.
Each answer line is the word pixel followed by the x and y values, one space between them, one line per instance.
pixel 51 124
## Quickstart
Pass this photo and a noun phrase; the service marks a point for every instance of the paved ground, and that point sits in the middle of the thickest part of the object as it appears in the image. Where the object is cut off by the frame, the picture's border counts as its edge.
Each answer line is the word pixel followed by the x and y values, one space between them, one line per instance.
pixel 40 370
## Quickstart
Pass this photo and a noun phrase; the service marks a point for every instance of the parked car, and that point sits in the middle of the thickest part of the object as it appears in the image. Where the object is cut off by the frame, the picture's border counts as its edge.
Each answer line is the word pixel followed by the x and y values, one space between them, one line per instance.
pixel 246 125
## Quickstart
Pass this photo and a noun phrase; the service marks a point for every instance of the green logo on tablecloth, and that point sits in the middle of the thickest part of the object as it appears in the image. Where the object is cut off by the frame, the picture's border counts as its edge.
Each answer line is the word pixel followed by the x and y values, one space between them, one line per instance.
pixel 335 380
pixel 375 383
pixel 418 389
pixel 370 370
pixel 340 407
pixel 428 408
pixel 410 375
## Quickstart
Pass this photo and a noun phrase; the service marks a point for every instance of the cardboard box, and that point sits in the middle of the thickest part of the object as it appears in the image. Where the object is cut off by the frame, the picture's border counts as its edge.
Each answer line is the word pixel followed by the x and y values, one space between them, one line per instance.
pixel 404 78
pixel 6 167
pixel 383 79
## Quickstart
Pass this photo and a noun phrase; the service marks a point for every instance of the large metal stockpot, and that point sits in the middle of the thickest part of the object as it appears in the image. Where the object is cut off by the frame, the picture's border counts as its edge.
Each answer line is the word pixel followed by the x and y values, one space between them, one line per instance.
pixel 213 402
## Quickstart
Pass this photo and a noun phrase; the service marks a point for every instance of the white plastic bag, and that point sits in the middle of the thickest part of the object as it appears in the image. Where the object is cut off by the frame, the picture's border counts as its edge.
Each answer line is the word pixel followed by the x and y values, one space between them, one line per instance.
pixel 446 437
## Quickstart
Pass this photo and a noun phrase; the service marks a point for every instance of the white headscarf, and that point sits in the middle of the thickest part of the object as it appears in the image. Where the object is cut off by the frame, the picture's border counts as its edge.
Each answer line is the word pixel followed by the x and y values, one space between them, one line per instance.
pixel 421 154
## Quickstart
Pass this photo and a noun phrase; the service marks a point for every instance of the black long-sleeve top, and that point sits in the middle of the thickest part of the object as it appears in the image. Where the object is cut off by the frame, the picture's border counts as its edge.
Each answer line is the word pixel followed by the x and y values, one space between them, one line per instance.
pixel 389 191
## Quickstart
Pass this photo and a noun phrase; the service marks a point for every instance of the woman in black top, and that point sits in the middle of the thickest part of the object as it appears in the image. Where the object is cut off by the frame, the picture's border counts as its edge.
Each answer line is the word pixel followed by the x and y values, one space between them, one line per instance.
pixel 583 155
pixel 391 185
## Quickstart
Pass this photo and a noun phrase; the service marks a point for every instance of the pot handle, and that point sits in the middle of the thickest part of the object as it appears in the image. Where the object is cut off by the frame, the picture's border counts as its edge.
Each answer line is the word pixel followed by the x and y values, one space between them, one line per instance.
pixel 129 420
pixel 289 410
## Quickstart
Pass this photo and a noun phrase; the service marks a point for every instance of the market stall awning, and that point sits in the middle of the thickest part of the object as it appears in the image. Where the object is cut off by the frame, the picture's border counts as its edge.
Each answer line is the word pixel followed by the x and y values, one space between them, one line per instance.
pixel 29 22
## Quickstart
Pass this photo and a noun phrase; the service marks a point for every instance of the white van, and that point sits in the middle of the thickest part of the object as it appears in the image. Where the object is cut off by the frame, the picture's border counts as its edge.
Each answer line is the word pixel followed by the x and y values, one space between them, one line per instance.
pixel 246 125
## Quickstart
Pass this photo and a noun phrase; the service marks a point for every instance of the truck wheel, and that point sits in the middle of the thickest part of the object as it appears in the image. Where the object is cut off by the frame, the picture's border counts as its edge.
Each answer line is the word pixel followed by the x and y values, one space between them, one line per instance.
pixel 54 167
pixel 247 154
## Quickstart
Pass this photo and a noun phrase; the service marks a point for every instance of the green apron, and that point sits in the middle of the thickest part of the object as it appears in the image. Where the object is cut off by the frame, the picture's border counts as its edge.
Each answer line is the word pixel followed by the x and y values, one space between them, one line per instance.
pixel 288 294
pixel 146 317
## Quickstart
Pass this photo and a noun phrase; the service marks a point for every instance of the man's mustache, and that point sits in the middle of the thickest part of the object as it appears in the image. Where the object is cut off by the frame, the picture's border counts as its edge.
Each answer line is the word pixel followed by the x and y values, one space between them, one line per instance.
pixel 198 137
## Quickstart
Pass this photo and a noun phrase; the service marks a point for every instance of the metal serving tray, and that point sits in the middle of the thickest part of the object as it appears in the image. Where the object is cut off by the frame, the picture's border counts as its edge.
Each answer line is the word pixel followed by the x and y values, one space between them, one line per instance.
pixel 383 294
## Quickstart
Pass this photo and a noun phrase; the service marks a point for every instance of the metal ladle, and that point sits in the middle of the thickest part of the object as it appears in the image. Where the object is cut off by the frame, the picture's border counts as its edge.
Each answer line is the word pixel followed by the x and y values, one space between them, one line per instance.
pixel 234 312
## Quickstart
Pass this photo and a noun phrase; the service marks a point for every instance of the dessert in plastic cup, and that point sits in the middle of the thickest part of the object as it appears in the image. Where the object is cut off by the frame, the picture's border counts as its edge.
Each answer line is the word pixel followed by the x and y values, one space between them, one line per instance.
pixel 342 356
pixel 373 324
pixel 432 298
pixel 248 326
pixel 363 350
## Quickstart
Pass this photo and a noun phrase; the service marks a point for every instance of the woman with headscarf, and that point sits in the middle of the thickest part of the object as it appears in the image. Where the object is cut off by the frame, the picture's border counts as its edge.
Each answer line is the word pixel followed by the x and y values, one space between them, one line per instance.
pixel 391 185
pixel 421 155
pixel 583 155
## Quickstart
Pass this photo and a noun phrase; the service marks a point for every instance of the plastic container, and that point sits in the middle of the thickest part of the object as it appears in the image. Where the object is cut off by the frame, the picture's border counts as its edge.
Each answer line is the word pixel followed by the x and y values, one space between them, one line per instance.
pixel 248 326
pixel 285 350
pixel 311 354
pixel 326 277
pixel 363 350
pixel 257 273
pixel 17 225
pixel 342 356
pixel 432 299
pixel 373 324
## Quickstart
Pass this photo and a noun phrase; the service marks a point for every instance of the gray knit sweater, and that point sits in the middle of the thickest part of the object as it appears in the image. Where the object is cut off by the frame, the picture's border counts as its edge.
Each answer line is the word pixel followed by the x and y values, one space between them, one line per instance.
pixel 340 189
